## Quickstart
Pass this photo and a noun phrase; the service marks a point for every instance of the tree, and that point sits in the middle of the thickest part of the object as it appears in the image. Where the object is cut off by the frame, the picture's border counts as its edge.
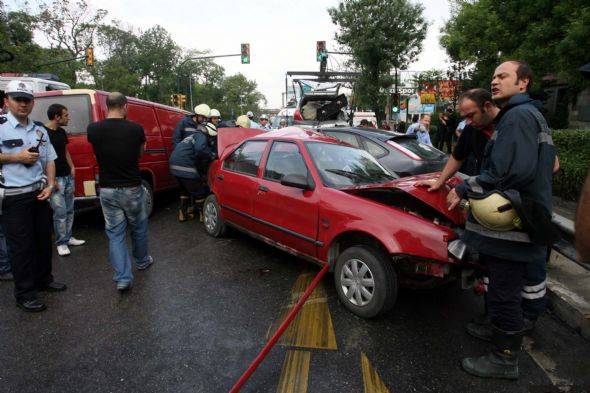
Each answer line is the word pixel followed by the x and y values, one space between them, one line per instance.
pixel 239 95
pixel 382 35
pixel 547 34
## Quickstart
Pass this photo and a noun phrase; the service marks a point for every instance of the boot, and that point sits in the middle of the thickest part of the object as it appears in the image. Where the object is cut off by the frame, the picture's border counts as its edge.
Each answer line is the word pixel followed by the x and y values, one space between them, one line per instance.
pixel 481 326
pixel 183 209
pixel 199 206
pixel 502 362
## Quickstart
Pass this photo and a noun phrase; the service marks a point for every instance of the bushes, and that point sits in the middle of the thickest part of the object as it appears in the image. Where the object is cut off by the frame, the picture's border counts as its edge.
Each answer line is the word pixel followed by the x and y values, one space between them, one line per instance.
pixel 573 148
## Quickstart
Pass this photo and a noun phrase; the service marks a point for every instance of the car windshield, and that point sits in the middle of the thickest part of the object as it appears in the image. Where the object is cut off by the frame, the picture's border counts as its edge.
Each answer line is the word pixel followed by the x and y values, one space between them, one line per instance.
pixel 422 150
pixel 343 166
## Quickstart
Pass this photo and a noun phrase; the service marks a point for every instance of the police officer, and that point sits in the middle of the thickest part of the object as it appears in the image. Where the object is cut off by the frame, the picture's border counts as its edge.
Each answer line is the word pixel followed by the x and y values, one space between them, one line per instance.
pixel 190 161
pixel 264 122
pixel 26 182
pixel 191 124
pixel 519 160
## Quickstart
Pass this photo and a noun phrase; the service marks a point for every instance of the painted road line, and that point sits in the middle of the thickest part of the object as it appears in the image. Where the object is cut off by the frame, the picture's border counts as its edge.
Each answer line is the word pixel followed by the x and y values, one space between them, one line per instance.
pixel 545 363
pixel 295 373
pixel 312 327
pixel 371 380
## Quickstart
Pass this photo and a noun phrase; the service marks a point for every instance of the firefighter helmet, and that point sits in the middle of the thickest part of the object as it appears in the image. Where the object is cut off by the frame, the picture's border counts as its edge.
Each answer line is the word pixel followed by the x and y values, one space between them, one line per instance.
pixel 494 211
pixel 211 129
pixel 202 110
pixel 214 113
pixel 243 121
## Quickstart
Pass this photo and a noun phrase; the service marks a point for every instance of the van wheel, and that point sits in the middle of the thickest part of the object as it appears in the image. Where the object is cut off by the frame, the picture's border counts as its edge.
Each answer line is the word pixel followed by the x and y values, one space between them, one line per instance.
pixel 149 197
pixel 366 281
pixel 212 219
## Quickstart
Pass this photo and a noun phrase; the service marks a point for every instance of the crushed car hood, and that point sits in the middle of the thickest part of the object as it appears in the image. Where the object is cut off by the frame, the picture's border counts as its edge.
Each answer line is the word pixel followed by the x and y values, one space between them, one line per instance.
pixel 437 200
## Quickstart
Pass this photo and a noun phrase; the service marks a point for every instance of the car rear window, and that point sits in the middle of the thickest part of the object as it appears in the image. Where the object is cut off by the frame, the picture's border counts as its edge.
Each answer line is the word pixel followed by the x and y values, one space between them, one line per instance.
pixel 422 150
pixel 78 107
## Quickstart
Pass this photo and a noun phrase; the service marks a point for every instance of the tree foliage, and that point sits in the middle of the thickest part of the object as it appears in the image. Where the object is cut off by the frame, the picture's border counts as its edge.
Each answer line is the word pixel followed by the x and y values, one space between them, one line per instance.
pixel 548 34
pixel 382 35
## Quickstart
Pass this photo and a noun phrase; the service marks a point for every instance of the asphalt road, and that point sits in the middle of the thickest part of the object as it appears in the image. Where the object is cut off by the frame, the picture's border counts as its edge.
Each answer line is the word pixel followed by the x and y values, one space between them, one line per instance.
pixel 195 320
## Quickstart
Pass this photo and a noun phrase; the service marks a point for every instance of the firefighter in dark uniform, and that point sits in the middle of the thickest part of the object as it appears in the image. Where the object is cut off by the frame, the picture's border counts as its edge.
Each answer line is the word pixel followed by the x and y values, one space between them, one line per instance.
pixel 190 161
pixel 27 177
pixel 516 175
pixel 189 125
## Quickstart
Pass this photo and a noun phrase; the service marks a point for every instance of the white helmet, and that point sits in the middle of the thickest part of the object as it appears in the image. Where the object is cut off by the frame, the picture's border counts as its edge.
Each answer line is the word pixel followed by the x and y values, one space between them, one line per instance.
pixel 243 121
pixel 202 110
pixel 214 113
pixel 250 114
pixel 264 116
pixel 211 129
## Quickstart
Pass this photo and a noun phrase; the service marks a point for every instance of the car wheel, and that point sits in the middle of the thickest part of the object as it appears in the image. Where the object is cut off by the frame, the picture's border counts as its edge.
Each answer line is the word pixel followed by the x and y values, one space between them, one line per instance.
pixel 149 197
pixel 366 281
pixel 214 224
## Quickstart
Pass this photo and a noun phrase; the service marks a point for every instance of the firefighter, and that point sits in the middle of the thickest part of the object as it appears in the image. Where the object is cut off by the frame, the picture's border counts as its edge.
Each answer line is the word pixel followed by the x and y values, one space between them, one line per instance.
pixel 215 117
pixel 191 124
pixel 264 122
pixel 518 161
pixel 190 161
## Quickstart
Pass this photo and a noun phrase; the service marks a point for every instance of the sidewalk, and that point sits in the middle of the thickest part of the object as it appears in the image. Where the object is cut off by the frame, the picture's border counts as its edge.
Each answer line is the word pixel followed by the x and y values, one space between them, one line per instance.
pixel 568 281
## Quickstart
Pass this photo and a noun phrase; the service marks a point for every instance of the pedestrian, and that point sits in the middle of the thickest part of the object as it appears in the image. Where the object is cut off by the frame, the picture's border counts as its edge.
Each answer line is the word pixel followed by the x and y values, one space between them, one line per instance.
pixel 189 163
pixel 583 224
pixel 253 124
pixel 188 126
pixel 412 127
pixel 385 126
pixel 364 123
pixel 118 144
pixel 422 130
pixel 27 177
pixel 62 198
pixel 264 123
pixel 441 131
pixel 518 163
pixel 451 126
pixel 5 265
pixel 214 117
pixel 283 123
pixel 243 121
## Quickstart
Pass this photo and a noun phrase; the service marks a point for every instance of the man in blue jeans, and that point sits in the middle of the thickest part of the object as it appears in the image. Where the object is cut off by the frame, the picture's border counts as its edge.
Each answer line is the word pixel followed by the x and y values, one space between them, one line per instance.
pixel 62 199
pixel 118 144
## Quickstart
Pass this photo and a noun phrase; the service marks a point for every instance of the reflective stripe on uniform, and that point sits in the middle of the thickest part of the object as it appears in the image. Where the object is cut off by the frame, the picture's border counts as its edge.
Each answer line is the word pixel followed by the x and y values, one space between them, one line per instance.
pixel 474 185
pixel 534 291
pixel 545 138
pixel 514 236
pixel 183 168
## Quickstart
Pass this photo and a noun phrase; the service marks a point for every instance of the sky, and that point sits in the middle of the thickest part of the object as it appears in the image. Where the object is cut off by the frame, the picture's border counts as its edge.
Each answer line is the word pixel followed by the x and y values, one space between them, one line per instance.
pixel 282 34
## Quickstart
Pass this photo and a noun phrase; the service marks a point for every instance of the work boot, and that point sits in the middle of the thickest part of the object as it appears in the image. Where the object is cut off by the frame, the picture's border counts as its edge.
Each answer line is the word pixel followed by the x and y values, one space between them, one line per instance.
pixel 199 206
pixel 480 327
pixel 502 362
pixel 183 209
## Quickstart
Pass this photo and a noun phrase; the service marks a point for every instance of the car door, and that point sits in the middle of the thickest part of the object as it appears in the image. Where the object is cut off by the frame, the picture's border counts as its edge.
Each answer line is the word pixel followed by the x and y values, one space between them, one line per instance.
pixel 237 184
pixel 287 215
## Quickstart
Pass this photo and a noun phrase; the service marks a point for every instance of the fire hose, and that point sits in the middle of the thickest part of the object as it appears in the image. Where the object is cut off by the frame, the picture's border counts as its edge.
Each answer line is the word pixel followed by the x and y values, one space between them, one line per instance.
pixel 248 373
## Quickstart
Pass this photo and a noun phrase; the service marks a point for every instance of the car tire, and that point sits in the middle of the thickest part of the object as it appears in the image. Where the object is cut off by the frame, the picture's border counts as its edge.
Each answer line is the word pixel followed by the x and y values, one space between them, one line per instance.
pixel 149 197
pixel 212 219
pixel 366 281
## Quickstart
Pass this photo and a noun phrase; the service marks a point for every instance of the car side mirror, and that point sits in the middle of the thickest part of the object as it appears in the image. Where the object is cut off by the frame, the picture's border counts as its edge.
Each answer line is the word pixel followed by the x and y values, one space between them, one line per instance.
pixel 297 181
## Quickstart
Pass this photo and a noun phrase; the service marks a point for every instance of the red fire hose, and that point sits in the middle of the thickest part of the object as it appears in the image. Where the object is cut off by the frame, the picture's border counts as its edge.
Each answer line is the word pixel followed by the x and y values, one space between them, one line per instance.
pixel 248 373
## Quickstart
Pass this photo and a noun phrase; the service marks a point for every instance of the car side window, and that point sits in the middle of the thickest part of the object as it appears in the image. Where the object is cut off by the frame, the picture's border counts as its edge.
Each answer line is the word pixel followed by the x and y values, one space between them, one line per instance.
pixel 345 137
pixel 374 149
pixel 284 159
pixel 246 158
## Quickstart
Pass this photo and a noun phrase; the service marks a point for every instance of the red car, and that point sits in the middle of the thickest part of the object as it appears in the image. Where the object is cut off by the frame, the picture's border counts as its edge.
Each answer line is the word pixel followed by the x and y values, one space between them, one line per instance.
pixel 325 201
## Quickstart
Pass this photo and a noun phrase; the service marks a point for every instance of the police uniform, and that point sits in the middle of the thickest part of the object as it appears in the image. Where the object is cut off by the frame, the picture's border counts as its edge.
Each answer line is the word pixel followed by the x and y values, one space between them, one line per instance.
pixel 26 220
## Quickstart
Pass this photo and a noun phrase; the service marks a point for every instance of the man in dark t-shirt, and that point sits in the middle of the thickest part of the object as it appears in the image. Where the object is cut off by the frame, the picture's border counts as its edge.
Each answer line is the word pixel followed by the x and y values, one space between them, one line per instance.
pixel 62 198
pixel 118 144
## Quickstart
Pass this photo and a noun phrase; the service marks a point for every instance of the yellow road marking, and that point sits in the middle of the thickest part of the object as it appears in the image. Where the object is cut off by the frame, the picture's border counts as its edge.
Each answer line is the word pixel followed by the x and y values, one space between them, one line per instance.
pixel 371 380
pixel 295 373
pixel 312 327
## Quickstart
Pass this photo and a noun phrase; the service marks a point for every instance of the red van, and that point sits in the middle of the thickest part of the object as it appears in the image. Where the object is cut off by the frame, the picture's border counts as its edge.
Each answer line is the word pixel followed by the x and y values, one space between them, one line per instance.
pixel 88 106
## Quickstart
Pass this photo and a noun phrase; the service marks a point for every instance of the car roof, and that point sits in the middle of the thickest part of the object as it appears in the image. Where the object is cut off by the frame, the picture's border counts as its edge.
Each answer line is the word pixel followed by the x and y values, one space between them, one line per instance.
pixel 372 133
pixel 298 133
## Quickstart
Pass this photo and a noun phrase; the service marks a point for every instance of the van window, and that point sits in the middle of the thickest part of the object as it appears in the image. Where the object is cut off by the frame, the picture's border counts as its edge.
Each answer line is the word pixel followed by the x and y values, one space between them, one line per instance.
pixel 78 106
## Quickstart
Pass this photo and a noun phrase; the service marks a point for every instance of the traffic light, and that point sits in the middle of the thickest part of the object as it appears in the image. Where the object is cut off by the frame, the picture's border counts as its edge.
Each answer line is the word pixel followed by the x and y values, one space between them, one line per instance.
pixel 395 103
pixel 175 99
pixel 89 57
pixel 320 51
pixel 245 53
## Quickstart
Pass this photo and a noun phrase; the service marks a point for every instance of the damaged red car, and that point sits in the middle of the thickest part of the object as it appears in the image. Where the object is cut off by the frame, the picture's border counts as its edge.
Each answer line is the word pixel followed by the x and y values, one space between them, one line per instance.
pixel 327 202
